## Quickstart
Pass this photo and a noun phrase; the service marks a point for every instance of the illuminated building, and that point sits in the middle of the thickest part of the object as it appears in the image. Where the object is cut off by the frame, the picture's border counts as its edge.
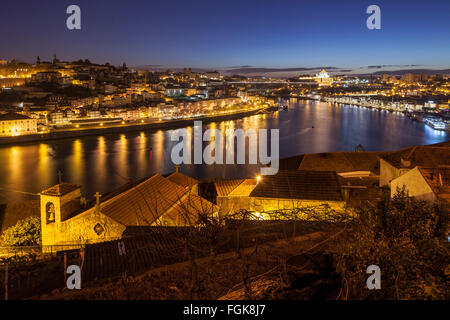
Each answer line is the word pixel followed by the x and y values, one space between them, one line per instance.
pixel 11 82
pixel 213 75
pixel 428 184
pixel 14 124
pixel 396 164
pixel 49 76
pixel 413 77
pixel 285 190
pixel 67 219
pixel 323 78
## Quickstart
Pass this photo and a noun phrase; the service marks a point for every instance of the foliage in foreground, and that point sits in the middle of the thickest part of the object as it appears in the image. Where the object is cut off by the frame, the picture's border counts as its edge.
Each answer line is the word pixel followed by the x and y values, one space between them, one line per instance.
pixel 26 232
pixel 406 239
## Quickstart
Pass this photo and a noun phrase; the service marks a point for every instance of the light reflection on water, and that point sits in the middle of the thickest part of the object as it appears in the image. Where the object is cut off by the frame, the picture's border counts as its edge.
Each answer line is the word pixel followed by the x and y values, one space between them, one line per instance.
pixel 103 163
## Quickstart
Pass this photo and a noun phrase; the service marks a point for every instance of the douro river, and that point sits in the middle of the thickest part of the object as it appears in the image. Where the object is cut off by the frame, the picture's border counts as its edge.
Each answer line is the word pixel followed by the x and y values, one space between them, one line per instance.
pixel 106 162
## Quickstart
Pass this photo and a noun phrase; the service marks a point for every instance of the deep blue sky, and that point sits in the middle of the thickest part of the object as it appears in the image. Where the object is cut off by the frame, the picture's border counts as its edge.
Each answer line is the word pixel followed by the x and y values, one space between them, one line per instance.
pixel 228 33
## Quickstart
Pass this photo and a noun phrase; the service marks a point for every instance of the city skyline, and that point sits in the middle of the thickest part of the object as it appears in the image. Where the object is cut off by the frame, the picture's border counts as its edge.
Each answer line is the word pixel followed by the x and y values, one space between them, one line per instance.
pixel 227 35
pixel 242 152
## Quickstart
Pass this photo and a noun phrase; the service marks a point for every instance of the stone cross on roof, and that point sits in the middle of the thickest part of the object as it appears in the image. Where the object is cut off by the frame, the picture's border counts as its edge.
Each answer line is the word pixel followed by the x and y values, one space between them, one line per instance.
pixel 97 196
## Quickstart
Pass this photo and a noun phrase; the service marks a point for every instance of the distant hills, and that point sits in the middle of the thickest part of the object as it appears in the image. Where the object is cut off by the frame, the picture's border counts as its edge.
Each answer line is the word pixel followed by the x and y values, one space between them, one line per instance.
pixel 296 71
pixel 252 70
pixel 405 71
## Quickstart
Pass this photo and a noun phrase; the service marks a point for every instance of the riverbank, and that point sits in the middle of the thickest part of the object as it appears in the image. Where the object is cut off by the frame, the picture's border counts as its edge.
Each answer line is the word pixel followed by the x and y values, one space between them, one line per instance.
pixel 150 127
pixel 433 120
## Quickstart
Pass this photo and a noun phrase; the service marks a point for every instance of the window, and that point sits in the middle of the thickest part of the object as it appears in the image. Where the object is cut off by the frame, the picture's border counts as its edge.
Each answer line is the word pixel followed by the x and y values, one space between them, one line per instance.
pixel 98 228
pixel 50 212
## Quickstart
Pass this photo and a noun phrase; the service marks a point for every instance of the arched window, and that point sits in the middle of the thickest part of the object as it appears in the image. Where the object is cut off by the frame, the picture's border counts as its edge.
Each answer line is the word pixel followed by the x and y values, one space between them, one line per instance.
pixel 50 212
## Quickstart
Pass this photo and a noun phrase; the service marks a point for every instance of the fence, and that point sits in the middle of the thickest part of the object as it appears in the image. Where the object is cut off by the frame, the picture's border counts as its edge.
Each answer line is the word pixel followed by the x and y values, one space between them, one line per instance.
pixel 39 251
pixel 6 252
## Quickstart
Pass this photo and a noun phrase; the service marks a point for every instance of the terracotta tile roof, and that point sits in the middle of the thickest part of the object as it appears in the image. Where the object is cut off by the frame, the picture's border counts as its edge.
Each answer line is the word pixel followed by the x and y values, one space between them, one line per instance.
pixel 13 116
pixel 342 162
pixel 146 202
pixel 60 189
pixel 439 181
pixel 182 180
pixel 244 189
pixel 290 163
pixel 113 193
pixel 440 144
pixel 190 208
pixel 426 156
pixel 225 187
pixel 308 185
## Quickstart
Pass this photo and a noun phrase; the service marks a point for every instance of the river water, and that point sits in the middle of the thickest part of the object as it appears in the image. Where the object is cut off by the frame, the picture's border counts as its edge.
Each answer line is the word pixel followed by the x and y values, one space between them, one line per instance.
pixel 103 163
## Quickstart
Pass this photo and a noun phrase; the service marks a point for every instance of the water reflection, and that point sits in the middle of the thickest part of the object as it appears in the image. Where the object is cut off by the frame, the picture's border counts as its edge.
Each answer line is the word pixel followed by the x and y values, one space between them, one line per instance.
pixel 144 154
pixel 105 162
pixel 15 160
pixel 99 159
pixel 77 168
pixel 43 169
pixel 121 165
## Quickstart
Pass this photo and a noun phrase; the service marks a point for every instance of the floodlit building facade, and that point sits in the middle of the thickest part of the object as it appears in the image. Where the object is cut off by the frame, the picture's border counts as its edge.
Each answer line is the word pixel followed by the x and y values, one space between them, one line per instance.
pixel 156 201
pixel 14 124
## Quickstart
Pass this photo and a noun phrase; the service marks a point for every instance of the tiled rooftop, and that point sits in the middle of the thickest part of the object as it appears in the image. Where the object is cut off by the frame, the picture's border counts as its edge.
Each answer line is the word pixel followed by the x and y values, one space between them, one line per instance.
pixel 146 202
pixel 225 187
pixel 426 156
pixel 13 116
pixel 182 180
pixel 342 162
pixel 439 181
pixel 308 185
pixel 245 188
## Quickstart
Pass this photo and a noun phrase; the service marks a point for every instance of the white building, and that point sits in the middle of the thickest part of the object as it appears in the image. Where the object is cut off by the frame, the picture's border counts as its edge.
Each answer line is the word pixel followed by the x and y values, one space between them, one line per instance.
pixel 14 124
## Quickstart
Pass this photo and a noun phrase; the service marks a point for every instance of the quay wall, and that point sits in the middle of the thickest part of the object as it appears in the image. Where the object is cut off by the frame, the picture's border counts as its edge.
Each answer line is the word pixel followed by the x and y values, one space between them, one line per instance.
pixel 154 126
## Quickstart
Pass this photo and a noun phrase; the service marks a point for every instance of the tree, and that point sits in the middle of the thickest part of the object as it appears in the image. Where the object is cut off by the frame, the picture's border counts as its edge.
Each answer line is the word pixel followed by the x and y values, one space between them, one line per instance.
pixel 26 232
pixel 406 239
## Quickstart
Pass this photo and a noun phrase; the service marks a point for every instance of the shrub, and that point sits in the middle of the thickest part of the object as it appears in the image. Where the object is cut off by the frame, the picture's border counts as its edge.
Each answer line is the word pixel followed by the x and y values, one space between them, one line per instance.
pixel 26 232
pixel 406 239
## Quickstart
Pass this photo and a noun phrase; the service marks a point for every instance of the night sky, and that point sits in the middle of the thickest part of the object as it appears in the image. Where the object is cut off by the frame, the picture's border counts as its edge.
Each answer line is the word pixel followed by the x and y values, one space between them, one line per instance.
pixel 223 34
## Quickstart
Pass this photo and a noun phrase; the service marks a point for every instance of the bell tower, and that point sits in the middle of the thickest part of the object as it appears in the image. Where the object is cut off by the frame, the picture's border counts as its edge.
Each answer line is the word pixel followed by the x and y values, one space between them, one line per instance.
pixel 58 203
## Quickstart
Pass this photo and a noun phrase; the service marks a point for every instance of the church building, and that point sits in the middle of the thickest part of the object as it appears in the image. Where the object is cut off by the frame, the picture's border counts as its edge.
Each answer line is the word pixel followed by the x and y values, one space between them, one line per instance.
pixel 155 201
